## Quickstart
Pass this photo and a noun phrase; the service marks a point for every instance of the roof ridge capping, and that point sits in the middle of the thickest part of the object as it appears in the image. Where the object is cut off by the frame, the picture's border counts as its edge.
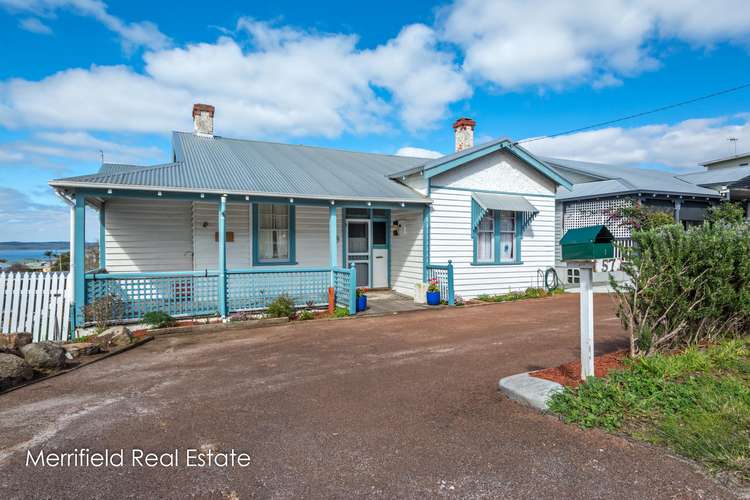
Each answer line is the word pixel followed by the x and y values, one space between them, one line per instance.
pixel 453 160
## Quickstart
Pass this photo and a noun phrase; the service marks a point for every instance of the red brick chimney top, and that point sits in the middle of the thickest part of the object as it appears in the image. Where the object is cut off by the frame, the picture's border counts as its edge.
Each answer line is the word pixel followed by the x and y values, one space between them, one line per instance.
pixel 464 122
pixel 200 108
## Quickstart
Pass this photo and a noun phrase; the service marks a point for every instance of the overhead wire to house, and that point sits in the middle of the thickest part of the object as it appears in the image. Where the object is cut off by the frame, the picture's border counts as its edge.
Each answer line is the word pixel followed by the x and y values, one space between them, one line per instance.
pixel 638 115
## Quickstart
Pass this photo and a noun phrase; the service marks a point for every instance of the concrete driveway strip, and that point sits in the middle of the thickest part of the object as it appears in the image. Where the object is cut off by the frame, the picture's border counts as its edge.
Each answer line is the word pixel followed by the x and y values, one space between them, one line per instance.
pixel 401 406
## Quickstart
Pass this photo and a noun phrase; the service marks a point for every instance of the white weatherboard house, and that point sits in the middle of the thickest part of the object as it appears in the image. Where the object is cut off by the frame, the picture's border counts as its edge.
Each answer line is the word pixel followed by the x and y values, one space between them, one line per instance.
pixel 228 225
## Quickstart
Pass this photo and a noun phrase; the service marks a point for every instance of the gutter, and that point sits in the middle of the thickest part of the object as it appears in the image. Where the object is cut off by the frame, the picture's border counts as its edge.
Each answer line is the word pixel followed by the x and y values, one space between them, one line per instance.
pixel 133 187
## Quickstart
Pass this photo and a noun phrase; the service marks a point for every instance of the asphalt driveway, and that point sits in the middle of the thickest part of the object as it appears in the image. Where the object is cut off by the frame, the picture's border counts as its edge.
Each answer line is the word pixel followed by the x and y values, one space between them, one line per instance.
pixel 396 406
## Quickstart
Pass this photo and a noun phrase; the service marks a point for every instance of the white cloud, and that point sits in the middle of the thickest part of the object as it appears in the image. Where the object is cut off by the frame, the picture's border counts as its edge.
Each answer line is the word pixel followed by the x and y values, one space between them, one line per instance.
pixel 418 152
pixel 27 220
pixel 681 146
pixel 132 35
pixel 34 25
pixel 8 155
pixel 514 43
pixel 289 82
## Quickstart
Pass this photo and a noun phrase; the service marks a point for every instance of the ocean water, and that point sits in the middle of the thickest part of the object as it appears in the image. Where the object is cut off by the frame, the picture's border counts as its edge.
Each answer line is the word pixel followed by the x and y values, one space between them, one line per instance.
pixel 12 256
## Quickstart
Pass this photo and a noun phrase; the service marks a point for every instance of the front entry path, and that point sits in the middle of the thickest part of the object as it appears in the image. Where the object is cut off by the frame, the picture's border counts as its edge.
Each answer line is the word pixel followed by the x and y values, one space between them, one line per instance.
pixel 394 406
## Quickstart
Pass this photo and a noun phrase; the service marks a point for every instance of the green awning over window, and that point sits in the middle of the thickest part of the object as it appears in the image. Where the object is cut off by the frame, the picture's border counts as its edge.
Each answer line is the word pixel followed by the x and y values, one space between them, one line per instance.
pixel 482 202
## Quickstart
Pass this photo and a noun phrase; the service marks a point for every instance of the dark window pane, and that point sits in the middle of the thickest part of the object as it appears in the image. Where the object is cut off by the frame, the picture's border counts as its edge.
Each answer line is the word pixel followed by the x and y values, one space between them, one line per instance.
pixel 379 230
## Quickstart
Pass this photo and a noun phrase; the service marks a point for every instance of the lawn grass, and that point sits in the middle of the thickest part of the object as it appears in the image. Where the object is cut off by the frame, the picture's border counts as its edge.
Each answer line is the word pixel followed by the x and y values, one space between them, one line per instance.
pixel 697 403
pixel 529 293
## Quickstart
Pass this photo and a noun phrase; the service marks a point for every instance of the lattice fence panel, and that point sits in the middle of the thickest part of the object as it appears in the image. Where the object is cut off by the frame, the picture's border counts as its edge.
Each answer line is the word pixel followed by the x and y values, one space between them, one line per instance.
pixel 594 212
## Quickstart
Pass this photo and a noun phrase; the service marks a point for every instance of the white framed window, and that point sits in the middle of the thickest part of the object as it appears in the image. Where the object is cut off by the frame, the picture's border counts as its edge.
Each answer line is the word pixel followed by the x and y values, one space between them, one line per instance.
pixel 507 236
pixel 273 233
pixel 486 238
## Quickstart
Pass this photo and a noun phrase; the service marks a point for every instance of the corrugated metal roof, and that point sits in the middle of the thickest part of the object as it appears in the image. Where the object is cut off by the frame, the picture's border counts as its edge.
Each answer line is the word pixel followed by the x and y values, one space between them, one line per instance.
pixel 717 176
pixel 727 158
pixel 253 167
pixel 623 180
pixel 118 168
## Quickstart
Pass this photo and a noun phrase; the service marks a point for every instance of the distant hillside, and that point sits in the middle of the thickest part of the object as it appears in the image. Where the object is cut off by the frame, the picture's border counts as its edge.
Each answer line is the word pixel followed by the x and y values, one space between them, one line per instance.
pixel 33 245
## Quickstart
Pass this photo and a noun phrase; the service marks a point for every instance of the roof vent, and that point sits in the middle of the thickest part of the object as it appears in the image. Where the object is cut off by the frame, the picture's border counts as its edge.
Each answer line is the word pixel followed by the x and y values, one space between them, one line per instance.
pixel 203 120
pixel 464 131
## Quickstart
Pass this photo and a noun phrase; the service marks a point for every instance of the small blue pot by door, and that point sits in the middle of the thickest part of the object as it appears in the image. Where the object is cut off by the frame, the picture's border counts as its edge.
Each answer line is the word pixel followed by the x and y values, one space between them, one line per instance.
pixel 433 298
pixel 361 303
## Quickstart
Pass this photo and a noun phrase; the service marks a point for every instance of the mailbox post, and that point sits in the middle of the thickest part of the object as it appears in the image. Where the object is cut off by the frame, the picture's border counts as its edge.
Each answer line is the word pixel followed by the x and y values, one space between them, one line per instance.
pixel 581 248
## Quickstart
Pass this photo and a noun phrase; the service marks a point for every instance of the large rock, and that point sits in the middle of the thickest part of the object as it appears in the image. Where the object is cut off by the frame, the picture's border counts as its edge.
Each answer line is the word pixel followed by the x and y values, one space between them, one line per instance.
pixel 13 371
pixel 117 336
pixel 79 349
pixel 13 342
pixel 44 356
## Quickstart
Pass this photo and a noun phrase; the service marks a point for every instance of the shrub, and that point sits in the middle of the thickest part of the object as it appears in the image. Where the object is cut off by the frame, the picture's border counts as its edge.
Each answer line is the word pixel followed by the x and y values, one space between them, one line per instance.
pixel 306 315
pixel 104 311
pixel 158 319
pixel 685 287
pixel 728 213
pixel 361 291
pixel 433 285
pixel 639 217
pixel 341 312
pixel 281 307
pixel 458 301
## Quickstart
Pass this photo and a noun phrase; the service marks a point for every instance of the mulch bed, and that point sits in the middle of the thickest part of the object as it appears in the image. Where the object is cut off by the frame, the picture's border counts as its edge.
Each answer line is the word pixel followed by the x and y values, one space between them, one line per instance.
pixel 569 374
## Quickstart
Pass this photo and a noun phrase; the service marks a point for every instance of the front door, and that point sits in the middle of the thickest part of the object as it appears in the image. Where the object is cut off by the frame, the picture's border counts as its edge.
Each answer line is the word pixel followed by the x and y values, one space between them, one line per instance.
pixel 358 249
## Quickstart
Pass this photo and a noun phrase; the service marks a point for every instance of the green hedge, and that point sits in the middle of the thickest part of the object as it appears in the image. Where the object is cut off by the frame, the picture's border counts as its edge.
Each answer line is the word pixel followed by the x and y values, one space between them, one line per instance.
pixel 686 286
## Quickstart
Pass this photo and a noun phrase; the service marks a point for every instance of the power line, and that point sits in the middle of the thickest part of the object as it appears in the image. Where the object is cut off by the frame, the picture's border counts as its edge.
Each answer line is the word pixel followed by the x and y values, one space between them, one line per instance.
pixel 637 115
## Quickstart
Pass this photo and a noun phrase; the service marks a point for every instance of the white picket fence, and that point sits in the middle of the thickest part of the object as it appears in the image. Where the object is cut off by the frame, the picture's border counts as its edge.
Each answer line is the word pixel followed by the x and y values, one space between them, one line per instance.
pixel 36 303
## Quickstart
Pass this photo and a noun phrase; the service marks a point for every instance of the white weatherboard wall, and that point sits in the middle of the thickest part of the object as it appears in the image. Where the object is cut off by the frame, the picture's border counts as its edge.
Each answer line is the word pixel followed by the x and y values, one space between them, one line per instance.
pixel 451 232
pixel 206 247
pixel 406 251
pixel 166 235
pixel 148 235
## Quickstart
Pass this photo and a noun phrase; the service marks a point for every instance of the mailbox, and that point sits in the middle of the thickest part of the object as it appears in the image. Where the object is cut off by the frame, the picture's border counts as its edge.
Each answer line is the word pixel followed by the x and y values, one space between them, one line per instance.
pixel 588 243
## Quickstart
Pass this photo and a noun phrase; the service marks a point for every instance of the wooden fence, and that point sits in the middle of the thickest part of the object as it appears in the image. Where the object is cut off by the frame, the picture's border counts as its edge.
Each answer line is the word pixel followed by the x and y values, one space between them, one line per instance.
pixel 35 302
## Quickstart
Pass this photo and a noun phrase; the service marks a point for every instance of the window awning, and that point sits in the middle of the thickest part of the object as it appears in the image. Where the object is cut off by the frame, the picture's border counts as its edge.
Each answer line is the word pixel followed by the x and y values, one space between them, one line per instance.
pixel 482 202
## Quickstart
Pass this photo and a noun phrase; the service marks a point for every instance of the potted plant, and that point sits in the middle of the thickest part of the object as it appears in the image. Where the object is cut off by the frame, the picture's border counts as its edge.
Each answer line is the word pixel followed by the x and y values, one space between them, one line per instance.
pixel 361 299
pixel 433 292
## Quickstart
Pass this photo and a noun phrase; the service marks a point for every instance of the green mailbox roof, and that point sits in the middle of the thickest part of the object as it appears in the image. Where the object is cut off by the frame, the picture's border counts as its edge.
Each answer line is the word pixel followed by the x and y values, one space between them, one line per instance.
pixel 590 234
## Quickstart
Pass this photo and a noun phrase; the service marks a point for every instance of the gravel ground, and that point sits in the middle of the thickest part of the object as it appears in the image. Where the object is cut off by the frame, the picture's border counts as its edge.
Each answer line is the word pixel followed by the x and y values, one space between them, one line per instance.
pixel 395 406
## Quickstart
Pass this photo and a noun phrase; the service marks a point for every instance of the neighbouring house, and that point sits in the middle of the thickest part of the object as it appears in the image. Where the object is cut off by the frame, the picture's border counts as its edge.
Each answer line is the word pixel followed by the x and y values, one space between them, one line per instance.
pixel 228 225
pixel 729 176
pixel 600 189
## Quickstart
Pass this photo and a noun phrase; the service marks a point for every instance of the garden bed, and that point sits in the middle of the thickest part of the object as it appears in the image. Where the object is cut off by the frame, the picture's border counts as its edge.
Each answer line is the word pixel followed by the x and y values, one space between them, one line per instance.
pixel 569 374
pixel 695 402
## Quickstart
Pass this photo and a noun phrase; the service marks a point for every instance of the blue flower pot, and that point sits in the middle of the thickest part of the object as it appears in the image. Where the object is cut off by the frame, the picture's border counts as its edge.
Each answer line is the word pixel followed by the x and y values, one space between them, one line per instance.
pixel 361 303
pixel 433 298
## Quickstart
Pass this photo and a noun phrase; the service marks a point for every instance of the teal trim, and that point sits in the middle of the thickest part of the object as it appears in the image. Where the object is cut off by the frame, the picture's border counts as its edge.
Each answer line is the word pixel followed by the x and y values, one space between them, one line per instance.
pixel 232 198
pixel 353 290
pixel 520 228
pixel 439 169
pixel 344 242
pixel 222 228
pixel 490 191
pixel 292 240
pixel 477 214
pixel 515 149
pixel 451 291
pixel 332 230
pixel 496 260
pixel 496 234
pixel 490 264
pixel 79 261
pixel 425 242
pixel 102 238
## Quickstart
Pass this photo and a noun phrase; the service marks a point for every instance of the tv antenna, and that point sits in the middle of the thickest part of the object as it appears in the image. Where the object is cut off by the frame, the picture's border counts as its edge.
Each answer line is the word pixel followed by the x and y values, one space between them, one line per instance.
pixel 101 154
pixel 733 144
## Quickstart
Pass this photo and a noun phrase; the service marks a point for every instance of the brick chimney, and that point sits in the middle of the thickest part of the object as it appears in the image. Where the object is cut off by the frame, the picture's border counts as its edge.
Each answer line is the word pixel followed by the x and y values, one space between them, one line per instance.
pixel 464 130
pixel 203 120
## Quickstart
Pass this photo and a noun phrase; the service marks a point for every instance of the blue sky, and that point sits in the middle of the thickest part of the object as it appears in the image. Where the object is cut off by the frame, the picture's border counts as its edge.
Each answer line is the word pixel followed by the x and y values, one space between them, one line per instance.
pixel 80 76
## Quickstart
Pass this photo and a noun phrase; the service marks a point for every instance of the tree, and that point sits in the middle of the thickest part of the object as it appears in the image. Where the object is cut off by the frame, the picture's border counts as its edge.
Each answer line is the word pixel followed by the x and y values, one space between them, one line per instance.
pixel 728 213
pixel 18 268
pixel 640 218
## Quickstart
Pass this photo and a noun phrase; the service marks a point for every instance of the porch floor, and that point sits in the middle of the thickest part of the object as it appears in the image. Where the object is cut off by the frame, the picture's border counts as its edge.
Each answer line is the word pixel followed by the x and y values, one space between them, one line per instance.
pixel 388 301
